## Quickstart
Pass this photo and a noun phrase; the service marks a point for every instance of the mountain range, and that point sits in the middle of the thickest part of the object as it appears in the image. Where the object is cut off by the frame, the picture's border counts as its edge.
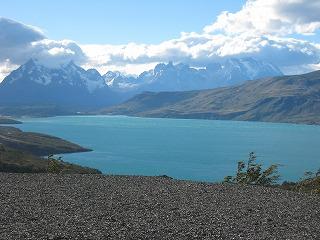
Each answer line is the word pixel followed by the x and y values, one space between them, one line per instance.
pixel 294 99
pixel 182 77
pixel 34 89
pixel 69 87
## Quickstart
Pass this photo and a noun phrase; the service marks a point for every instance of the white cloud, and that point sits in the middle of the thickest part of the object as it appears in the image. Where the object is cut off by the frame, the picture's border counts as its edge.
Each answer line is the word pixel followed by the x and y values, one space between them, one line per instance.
pixel 261 29
pixel 6 67
pixel 60 51
pixel 54 53
pixel 20 42
pixel 14 34
pixel 200 49
pixel 127 69
pixel 277 17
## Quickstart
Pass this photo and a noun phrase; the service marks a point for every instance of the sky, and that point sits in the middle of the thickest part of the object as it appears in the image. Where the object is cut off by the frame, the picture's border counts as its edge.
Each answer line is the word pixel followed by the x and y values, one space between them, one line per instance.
pixel 117 21
pixel 134 36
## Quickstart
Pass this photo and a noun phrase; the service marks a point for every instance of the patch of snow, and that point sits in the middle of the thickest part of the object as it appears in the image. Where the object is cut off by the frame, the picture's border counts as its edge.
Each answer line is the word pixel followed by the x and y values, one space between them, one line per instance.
pixel 44 79
pixel 251 71
pixel 93 85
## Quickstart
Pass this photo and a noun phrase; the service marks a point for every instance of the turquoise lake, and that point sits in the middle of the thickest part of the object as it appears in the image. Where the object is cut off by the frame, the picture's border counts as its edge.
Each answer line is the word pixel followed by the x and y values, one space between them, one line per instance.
pixel 202 150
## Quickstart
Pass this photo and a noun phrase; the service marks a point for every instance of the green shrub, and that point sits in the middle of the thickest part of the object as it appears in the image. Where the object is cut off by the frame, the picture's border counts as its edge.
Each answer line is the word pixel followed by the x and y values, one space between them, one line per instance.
pixel 251 172
pixel 54 165
pixel 58 166
pixel 310 182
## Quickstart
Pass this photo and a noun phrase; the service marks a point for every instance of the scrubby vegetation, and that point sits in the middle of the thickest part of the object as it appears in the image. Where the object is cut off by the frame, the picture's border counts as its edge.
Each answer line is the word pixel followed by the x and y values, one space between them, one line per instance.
pixel 15 161
pixel 251 172
pixel 309 183
pixel 12 160
pixel 58 166
pixel 23 152
pixel 36 143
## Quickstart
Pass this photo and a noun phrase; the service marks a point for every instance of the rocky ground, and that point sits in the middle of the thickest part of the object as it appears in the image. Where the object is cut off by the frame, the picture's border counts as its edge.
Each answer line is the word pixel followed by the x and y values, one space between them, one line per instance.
pixel 47 206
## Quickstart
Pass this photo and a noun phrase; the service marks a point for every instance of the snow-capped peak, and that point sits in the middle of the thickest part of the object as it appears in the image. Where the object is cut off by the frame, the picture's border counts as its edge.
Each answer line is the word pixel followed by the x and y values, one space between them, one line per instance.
pixel 66 74
pixel 181 77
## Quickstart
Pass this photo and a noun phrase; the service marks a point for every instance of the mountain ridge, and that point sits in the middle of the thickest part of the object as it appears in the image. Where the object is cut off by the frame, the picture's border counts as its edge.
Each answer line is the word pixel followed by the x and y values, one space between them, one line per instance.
pixel 293 99
pixel 36 90
pixel 182 77
pixel 69 86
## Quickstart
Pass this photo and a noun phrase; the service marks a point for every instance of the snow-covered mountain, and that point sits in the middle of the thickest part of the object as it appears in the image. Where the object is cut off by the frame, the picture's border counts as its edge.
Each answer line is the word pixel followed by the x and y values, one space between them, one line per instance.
pixel 236 70
pixel 70 87
pixel 181 77
pixel 120 82
pixel 66 86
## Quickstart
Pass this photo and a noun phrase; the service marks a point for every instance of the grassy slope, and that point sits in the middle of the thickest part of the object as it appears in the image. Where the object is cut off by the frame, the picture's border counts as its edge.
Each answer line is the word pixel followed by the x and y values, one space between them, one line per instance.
pixel 5 120
pixel 12 160
pixel 311 185
pixel 21 152
pixel 281 99
pixel 36 143
pixel 35 110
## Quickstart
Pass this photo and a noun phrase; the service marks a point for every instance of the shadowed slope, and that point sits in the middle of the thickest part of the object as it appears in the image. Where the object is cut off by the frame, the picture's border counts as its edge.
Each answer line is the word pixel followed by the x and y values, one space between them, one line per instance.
pixel 293 99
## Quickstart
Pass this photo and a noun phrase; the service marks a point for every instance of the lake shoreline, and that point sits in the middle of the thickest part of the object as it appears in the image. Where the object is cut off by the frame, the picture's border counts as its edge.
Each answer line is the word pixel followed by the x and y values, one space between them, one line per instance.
pixel 21 118
pixel 199 150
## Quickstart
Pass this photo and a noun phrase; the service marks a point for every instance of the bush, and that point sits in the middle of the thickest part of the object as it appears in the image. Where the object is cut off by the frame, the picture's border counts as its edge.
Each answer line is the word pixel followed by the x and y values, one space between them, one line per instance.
pixel 252 173
pixel 54 165
pixel 58 166
pixel 310 182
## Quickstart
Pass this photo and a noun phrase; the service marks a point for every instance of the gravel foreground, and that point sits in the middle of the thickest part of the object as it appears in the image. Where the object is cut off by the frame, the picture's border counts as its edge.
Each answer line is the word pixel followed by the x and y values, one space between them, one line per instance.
pixel 45 206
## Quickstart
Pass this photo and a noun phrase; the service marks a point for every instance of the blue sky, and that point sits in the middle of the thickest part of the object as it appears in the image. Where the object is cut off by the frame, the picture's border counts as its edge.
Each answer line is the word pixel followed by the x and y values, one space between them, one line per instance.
pixel 133 36
pixel 118 21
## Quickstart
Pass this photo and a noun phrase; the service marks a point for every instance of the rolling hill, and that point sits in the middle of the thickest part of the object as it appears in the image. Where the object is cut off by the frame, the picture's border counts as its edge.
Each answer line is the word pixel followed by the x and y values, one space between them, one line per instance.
pixel 36 143
pixel 6 120
pixel 17 161
pixel 293 99
pixel 23 152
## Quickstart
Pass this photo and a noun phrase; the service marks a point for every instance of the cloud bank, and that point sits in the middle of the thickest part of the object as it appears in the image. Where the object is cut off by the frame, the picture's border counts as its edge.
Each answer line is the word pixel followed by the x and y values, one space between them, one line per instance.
pixel 277 17
pixel 270 30
pixel 20 42
pixel 261 29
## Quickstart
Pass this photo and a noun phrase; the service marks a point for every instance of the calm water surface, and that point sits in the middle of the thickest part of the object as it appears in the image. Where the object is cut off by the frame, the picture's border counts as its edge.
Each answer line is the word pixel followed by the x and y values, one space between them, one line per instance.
pixel 202 150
